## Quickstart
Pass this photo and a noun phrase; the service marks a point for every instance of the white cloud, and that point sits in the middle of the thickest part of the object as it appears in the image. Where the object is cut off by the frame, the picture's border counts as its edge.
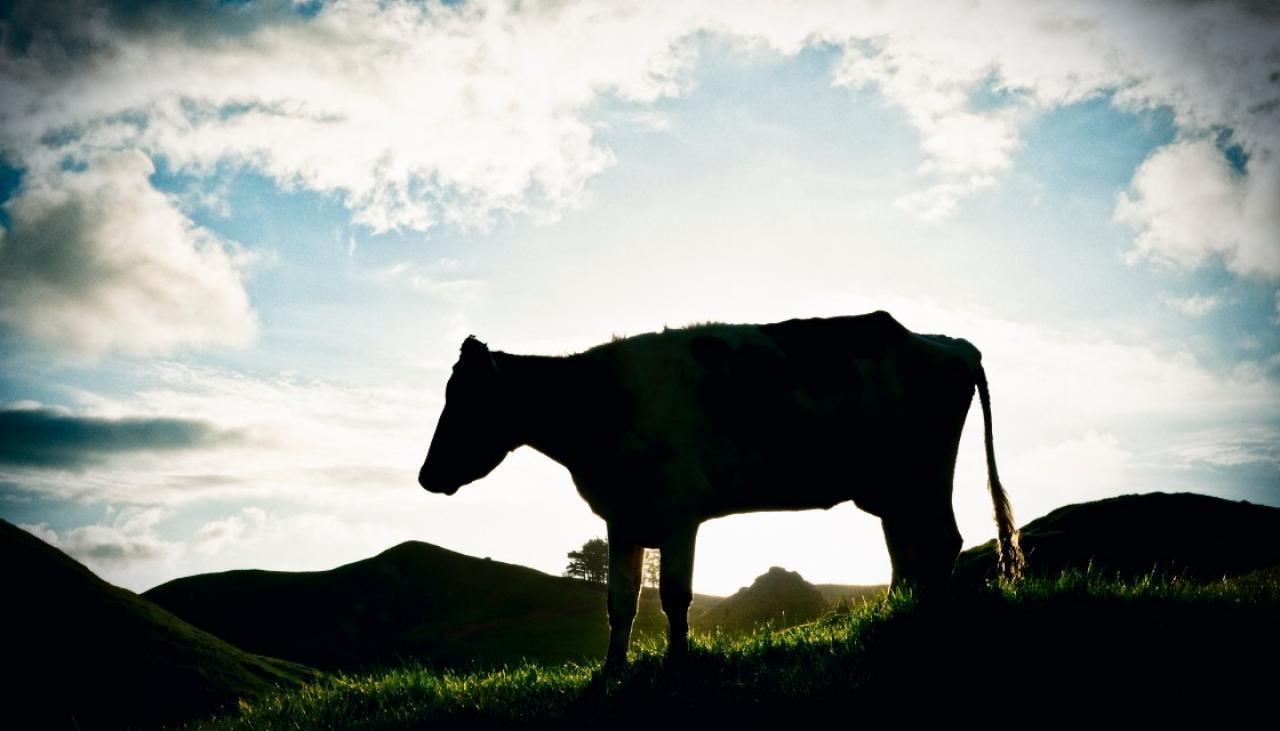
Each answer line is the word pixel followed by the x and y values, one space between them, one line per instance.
pixel 438 279
pixel 125 545
pixel 1196 305
pixel 413 113
pixel 41 531
pixel 305 540
pixel 97 260
pixel 126 550
pixel 421 113
pixel 1089 467
pixel 418 114
pixel 216 536
pixel 1228 447
pixel 964 149
pixel 1190 206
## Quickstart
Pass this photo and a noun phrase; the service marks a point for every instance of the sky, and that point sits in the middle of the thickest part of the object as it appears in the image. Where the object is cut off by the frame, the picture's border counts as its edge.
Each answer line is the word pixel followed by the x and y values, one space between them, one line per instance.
pixel 243 241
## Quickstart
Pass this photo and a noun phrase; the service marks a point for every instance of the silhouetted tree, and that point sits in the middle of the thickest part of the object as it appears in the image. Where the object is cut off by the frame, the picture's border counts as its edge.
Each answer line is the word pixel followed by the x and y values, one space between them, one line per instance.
pixel 591 562
pixel 652 567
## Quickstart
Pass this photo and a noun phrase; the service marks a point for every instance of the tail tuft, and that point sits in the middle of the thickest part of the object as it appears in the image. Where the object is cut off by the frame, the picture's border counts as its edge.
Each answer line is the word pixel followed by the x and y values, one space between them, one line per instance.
pixel 1012 562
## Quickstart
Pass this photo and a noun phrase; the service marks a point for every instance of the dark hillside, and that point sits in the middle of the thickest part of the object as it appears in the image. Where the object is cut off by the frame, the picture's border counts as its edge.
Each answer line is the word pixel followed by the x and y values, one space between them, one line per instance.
pixel 414 600
pixel 80 653
pixel 1183 534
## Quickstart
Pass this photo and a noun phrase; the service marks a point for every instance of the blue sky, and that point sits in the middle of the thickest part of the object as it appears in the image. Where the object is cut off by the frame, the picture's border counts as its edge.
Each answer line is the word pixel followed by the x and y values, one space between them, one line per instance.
pixel 267 249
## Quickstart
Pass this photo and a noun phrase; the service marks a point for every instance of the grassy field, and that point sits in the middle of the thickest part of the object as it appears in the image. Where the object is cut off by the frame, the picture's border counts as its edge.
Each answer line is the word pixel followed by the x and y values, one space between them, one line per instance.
pixel 1081 646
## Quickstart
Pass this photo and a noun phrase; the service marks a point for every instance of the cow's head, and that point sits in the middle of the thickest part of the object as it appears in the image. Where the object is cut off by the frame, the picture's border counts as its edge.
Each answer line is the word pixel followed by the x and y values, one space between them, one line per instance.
pixel 471 438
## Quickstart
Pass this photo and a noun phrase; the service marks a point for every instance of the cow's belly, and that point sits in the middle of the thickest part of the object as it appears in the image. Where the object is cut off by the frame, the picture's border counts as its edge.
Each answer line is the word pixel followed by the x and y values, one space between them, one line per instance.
pixel 807 459
pixel 794 475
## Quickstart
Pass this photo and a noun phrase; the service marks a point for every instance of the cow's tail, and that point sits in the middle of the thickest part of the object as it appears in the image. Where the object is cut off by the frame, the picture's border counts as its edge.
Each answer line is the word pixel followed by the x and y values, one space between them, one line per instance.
pixel 1007 548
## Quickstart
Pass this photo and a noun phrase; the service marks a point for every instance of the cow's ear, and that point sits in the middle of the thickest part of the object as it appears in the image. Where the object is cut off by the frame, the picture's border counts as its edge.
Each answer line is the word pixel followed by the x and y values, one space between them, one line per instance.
pixel 477 353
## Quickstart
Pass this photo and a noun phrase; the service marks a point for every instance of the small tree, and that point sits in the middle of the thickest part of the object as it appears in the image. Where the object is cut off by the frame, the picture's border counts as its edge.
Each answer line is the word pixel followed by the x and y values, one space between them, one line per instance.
pixel 652 567
pixel 591 562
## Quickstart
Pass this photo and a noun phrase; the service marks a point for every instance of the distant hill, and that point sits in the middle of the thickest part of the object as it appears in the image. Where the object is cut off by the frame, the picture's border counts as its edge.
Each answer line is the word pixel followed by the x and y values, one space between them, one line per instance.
pixel 779 595
pixel 80 653
pixel 1193 536
pixel 415 600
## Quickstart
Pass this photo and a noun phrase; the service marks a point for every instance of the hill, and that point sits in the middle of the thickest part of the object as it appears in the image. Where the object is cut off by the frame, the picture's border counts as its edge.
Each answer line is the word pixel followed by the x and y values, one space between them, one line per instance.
pixel 1070 649
pixel 414 600
pixel 1192 536
pixel 778 595
pixel 80 653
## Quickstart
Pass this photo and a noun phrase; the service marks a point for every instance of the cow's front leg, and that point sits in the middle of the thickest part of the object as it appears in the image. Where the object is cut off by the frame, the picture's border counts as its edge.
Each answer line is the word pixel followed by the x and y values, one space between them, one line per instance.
pixel 676 588
pixel 625 560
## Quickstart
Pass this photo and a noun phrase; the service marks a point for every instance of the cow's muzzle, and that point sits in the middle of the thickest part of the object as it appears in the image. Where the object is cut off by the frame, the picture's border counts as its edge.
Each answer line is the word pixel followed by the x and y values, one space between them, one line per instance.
pixel 433 486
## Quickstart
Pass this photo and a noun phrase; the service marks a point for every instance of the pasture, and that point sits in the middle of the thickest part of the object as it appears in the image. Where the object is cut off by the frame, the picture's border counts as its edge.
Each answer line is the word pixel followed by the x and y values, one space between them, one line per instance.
pixel 1075 646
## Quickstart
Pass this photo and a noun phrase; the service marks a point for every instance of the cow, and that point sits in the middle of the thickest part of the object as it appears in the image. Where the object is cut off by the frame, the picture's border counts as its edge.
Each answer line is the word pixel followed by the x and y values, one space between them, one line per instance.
pixel 666 430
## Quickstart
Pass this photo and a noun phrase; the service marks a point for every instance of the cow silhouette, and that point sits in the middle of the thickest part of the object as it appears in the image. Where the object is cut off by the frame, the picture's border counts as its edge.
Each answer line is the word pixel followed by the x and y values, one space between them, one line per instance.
pixel 663 431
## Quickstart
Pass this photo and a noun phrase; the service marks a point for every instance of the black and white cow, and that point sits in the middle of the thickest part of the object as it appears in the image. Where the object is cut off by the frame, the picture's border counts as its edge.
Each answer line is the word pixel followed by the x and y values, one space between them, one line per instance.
pixel 666 430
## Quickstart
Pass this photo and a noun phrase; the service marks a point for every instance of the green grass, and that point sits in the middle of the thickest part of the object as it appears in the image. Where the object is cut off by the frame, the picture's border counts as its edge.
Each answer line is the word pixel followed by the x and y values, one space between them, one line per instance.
pixel 1029 646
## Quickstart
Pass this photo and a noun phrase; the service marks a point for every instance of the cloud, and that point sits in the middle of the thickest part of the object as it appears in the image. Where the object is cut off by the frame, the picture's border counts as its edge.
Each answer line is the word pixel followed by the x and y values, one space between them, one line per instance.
pixel 1189 206
pixel 97 260
pixel 1211 63
pixel 216 536
pixel 1229 447
pixel 202 432
pixel 114 547
pixel 1195 305
pixel 303 540
pixel 964 149
pixel 1089 467
pixel 45 437
pixel 414 114
pixel 421 113
pixel 438 279
pixel 126 548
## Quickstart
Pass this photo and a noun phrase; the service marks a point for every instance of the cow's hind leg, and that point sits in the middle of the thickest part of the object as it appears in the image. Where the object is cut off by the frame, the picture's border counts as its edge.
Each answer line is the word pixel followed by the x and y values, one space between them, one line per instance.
pixel 625 560
pixel 923 544
pixel 676 589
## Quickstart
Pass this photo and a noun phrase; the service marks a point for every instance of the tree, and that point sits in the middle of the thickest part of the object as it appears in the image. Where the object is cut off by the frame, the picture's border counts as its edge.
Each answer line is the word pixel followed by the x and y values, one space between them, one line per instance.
pixel 652 567
pixel 591 562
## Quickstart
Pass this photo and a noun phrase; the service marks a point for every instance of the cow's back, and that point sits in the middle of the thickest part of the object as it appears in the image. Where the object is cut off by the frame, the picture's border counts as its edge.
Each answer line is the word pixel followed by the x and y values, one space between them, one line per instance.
pixel 794 414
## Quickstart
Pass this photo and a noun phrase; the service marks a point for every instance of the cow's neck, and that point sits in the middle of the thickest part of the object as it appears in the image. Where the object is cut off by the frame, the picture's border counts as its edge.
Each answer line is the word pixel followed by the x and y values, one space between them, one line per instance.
pixel 548 401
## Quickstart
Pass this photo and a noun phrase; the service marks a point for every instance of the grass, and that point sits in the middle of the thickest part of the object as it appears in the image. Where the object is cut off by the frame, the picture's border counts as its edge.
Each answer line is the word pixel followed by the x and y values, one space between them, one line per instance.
pixel 1064 643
